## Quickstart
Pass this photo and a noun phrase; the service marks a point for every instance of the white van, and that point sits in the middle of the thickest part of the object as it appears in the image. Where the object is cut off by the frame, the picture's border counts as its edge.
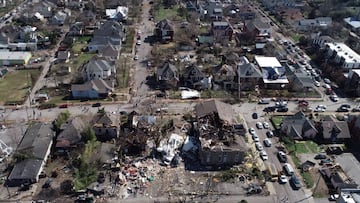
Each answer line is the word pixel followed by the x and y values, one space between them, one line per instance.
pixel 288 169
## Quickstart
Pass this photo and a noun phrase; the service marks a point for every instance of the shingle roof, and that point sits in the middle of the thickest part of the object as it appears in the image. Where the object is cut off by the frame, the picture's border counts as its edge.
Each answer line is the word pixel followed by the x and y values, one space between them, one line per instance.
pixel 165 24
pixel 35 143
pixel 224 110
pixel 100 85
pixel 334 129
pixel 297 124
pixel 70 132
pixel 249 70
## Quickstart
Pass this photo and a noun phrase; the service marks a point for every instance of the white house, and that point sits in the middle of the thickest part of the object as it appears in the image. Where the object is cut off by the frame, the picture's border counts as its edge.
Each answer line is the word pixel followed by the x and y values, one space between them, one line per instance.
pixel 274 74
pixel 343 55
pixel 99 68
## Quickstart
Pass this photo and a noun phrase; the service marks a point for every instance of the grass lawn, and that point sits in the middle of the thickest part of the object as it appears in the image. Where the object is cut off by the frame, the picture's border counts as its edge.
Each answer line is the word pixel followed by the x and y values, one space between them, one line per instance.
pixel 312 146
pixel 214 94
pixel 123 70
pixel 309 182
pixel 295 37
pixel 14 85
pixel 298 147
pixel 169 13
pixel 128 45
pixel 79 60
pixel 277 120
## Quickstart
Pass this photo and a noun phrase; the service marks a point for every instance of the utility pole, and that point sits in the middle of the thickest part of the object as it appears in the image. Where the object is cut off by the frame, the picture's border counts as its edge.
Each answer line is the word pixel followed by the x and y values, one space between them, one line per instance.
pixel 238 72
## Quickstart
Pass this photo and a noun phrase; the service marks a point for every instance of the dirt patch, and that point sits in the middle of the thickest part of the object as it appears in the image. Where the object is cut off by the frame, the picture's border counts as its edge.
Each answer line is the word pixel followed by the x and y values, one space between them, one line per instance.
pixel 320 188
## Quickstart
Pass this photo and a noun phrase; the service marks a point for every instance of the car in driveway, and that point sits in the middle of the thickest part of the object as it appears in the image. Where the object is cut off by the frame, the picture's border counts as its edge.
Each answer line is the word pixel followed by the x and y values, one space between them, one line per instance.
pixel 269 134
pixel 138 42
pixel 259 146
pixel 295 183
pixel 267 142
pixel 255 138
pixel 334 197
pixel 266 125
pixel 136 57
pixel 326 161
pixel 282 157
pixel 259 125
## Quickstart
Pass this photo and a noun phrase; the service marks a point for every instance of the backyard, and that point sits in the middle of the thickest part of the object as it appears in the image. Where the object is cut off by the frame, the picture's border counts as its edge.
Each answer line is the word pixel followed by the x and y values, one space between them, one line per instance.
pixel 15 84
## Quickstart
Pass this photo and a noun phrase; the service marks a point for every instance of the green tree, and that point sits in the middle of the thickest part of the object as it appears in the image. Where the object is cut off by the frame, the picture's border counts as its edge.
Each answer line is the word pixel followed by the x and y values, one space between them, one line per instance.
pixel 62 118
pixel 89 134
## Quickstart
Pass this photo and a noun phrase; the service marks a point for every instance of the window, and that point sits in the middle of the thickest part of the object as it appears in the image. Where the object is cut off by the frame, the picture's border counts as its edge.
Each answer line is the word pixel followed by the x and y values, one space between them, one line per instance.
pixel 220 158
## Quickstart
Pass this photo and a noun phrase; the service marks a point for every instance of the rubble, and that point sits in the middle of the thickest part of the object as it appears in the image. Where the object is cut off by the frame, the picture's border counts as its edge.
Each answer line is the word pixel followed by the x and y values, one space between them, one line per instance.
pixel 168 147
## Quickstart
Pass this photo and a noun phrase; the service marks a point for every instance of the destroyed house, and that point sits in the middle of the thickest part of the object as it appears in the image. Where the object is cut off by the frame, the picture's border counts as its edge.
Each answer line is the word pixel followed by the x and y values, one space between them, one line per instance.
pixel 220 145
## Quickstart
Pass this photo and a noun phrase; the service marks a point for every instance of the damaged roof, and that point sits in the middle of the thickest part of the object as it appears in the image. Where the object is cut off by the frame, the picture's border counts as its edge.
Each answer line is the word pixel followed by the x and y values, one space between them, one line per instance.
pixel 224 111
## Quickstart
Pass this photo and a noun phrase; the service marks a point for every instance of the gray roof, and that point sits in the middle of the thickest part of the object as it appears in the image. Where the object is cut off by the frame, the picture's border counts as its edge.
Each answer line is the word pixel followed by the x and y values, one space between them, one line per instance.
pixel 165 24
pixel 353 22
pixel 297 124
pixel 35 143
pixel 220 23
pixel 257 24
pixel 110 28
pixel 193 71
pixel 100 85
pixel 104 120
pixel 249 70
pixel 96 64
pixel 109 51
pixel 334 129
pixel 70 132
pixel 225 111
pixel 166 69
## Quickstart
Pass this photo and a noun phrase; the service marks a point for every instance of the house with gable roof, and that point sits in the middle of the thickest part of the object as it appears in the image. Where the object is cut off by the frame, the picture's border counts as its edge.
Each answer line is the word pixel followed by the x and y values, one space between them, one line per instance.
pixel 168 75
pixel 298 127
pixel 99 68
pixel 105 126
pixel 164 30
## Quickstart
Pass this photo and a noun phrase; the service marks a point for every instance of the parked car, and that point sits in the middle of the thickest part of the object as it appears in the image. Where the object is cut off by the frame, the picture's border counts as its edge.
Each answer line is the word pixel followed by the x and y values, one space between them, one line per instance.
pixel 303 103
pixel 255 138
pixel 317 84
pixel 269 134
pixel 295 183
pixel 356 109
pixel 281 104
pixel 259 146
pixel 327 81
pixel 254 115
pixel 259 125
pixel 342 109
pixel 264 101
pixel 266 125
pixel 326 161
pixel 283 179
pixel 334 98
pixel 63 106
pixel 321 106
pixel 283 109
pixel 320 156
pixel 263 155
pixel 317 109
pixel 138 42
pixel 282 157
pixel 269 109
pixel 345 106
pixel 96 104
pixel 136 57
pixel 267 142
pixel 252 131
pixel 334 197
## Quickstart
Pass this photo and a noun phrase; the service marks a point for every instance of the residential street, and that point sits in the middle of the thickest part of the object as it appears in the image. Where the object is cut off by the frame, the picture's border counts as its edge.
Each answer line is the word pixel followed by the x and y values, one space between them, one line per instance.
pixel 145 28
